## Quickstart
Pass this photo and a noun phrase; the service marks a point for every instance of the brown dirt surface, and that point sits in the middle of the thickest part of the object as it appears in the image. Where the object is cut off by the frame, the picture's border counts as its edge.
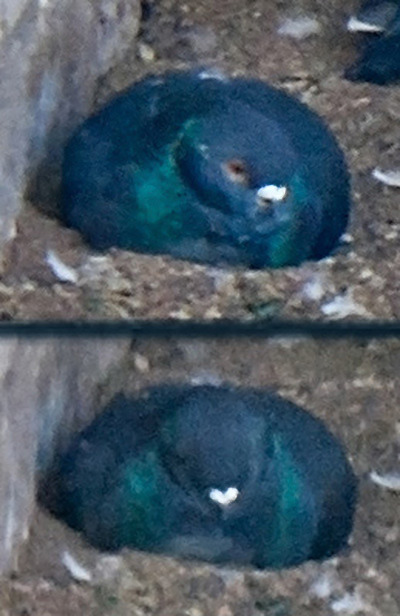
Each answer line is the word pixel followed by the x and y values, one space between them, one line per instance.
pixel 361 281
pixel 354 387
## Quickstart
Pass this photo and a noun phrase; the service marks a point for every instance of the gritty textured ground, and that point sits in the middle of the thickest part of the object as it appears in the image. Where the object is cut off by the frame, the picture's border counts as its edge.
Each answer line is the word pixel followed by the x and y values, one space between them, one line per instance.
pixel 354 387
pixel 362 281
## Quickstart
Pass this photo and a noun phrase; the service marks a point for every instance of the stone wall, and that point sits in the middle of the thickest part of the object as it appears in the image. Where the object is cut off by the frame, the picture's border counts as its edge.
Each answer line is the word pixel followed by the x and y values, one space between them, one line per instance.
pixel 52 54
pixel 48 390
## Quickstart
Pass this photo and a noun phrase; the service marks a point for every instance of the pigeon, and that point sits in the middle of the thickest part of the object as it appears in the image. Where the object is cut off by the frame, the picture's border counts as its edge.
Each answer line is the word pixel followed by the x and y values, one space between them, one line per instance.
pixel 379 61
pixel 207 168
pixel 222 474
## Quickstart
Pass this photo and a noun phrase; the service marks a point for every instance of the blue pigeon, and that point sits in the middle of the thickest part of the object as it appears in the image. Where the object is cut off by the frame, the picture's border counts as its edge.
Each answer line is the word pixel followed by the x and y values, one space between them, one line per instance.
pixel 380 59
pixel 222 474
pixel 209 169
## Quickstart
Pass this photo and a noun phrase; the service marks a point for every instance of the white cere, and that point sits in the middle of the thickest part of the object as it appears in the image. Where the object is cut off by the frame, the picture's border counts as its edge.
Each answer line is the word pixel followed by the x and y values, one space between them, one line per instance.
pixel 224 498
pixel 271 193
pixel 356 25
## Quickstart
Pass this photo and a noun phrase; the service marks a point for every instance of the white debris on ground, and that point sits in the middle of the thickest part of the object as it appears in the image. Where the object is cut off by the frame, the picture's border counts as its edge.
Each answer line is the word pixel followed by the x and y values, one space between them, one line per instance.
pixel 108 568
pixel 390 178
pixel 299 27
pixel 64 272
pixel 315 288
pixel 221 278
pixel 79 573
pixel 95 267
pixel 146 53
pixel 350 603
pixel 391 481
pixel 326 584
pixel 141 363
pixel 342 306
pixel 99 269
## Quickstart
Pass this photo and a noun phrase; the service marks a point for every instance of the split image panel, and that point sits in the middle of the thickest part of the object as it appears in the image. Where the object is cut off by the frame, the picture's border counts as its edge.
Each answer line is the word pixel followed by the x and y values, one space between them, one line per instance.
pixel 203 196
pixel 207 558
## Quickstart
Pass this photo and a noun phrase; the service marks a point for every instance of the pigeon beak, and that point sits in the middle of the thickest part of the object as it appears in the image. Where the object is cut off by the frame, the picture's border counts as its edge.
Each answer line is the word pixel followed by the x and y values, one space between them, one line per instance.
pixel 224 498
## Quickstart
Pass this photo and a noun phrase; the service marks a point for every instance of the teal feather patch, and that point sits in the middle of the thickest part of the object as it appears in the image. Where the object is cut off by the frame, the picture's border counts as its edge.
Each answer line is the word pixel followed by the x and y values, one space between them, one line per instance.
pixel 296 519
pixel 141 488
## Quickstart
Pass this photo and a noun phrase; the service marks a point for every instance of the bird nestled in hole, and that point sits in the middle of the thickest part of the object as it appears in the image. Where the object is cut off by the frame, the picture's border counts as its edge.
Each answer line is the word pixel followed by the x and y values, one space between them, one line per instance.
pixel 211 169
pixel 222 474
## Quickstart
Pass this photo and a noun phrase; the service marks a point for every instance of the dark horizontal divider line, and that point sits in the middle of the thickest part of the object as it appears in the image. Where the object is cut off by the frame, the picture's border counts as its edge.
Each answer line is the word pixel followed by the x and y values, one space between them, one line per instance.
pixel 213 329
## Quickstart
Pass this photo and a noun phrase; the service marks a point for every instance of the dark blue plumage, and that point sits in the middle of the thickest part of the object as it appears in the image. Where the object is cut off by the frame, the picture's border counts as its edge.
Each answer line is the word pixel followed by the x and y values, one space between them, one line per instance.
pixel 223 474
pixel 379 61
pixel 209 169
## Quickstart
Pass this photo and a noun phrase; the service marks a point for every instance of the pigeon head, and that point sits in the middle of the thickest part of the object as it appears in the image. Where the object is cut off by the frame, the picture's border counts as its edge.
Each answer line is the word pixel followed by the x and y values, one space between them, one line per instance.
pixel 249 182
pixel 215 453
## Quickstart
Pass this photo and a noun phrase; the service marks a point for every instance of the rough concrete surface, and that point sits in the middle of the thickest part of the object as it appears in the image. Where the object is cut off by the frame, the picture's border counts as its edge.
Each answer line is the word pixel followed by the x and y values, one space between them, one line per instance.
pixel 361 281
pixel 48 389
pixel 353 386
pixel 52 56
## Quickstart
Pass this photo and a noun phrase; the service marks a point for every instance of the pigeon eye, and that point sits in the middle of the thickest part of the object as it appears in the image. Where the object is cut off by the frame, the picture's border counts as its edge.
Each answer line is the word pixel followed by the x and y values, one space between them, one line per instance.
pixel 271 193
pixel 237 171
